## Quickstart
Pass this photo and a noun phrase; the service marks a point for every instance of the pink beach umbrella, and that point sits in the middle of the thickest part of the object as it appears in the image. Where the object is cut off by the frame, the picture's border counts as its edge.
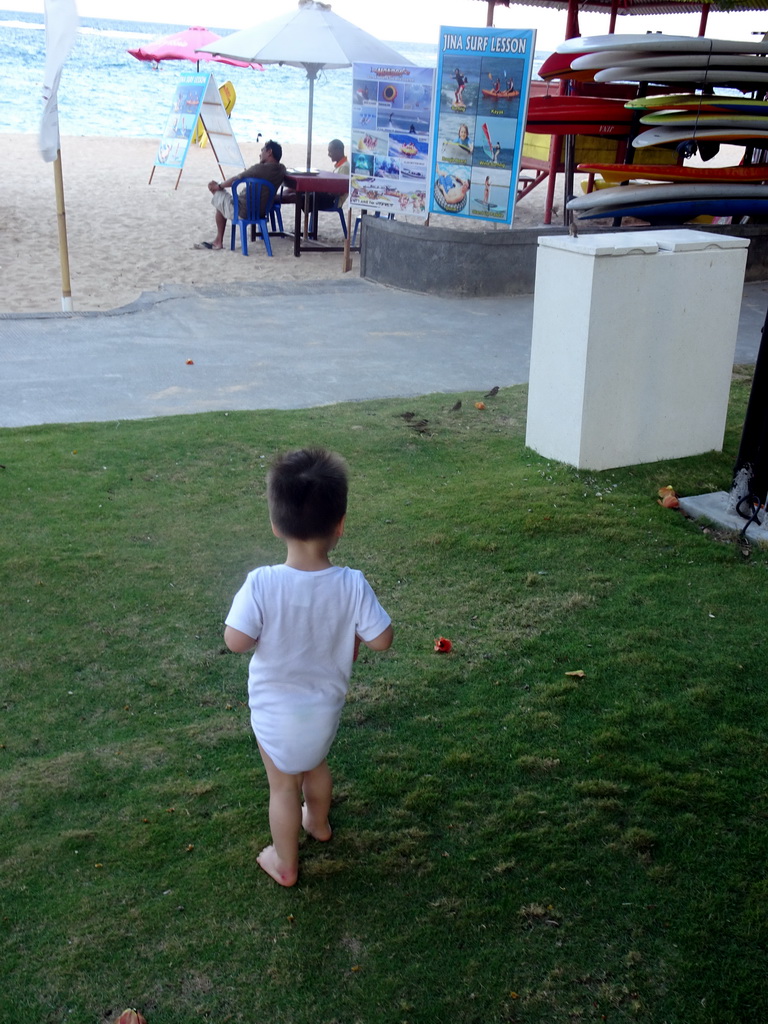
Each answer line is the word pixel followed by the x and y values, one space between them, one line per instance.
pixel 183 46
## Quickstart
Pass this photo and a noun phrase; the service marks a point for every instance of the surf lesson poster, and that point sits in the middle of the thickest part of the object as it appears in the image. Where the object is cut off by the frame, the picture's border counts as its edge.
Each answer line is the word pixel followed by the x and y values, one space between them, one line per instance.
pixel 482 87
pixel 391 131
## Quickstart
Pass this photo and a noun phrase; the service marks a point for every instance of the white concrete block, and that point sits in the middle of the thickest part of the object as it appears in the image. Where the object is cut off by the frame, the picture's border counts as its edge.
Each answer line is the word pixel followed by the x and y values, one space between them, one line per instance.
pixel 632 349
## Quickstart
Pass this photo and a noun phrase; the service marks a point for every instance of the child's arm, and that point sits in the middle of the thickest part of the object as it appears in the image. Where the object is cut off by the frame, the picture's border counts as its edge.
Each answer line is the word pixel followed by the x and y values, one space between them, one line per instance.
pixel 383 641
pixel 237 641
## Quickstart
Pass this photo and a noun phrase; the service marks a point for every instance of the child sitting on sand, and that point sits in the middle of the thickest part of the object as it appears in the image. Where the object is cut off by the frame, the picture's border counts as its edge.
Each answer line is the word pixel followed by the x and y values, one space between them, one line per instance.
pixel 305 619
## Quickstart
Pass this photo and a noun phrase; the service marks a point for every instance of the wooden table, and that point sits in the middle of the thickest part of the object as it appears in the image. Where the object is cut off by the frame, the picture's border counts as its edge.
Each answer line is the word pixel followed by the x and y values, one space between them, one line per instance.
pixel 311 185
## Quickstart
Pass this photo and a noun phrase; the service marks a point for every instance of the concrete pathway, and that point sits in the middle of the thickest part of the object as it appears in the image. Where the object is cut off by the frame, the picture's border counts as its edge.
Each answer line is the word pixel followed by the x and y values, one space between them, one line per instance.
pixel 271 346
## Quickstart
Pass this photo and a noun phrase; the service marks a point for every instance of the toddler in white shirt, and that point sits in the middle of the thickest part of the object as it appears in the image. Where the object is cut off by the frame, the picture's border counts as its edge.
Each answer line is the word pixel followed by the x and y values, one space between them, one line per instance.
pixel 304 621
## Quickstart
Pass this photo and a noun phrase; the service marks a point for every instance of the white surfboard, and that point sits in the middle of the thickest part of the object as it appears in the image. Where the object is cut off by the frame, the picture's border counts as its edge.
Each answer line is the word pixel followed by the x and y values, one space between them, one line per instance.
pixel 657 42
pixel 605 59
pixel 631 195
pixel 642 73
pixel 672 61
pixel 671 134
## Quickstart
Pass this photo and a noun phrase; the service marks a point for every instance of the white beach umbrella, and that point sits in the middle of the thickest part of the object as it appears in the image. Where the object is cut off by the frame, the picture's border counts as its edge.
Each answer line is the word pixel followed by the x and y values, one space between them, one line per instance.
pixel 313 38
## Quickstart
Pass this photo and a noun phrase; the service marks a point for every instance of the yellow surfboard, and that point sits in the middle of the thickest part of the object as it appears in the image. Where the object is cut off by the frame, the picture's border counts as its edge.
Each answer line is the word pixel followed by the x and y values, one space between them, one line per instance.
pixel 228 97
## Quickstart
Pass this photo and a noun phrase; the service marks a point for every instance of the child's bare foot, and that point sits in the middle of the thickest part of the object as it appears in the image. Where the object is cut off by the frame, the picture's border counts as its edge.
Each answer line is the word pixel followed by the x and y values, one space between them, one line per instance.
pixel 322 833
pixel 269 861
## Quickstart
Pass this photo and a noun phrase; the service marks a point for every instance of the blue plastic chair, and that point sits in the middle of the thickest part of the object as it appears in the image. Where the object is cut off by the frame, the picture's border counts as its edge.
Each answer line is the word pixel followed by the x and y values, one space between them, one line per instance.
pixel 337 207
pixel 276 219
pixel 254 217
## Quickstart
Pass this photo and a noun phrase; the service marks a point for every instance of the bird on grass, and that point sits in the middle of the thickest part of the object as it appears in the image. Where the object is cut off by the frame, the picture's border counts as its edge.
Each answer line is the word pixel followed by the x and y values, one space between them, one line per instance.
pixel 492 393
pixel 419 425
pixel 407 416
pixel 456 406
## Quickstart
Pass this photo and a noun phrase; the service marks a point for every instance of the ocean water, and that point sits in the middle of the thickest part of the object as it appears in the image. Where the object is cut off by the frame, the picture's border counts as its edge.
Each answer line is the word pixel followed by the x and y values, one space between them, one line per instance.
pixel 106 91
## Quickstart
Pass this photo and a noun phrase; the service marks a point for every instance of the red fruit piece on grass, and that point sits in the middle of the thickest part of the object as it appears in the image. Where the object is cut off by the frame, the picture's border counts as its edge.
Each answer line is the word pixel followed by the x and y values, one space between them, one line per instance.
pixel 443 645
pixel 131 1017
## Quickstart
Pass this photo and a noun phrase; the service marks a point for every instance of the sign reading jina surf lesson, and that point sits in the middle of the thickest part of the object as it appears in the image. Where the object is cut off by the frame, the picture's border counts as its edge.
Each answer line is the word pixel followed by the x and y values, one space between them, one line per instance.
pixel 481 102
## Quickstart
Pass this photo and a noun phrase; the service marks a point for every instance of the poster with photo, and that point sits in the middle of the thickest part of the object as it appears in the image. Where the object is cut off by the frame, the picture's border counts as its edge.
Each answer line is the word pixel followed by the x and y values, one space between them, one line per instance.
pixel 481 101
pixel 180 126
pixel 196 96
pixel 391 129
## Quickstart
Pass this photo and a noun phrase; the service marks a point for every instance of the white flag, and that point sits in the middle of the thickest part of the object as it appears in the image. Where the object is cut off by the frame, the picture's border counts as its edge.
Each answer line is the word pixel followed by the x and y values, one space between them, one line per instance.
pixel 60 32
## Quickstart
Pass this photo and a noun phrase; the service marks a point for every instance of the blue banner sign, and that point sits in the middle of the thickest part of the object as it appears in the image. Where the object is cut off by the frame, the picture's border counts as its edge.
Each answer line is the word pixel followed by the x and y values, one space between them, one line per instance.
pixel 481 101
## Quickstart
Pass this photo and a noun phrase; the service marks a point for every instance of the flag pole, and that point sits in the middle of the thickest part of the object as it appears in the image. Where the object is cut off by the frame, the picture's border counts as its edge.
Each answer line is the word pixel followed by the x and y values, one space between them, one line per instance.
pixel 60 33
pixel 61 222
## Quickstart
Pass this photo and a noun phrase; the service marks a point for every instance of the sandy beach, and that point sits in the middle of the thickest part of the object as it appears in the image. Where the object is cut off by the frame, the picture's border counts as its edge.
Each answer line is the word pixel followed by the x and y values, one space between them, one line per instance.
pixel 127 237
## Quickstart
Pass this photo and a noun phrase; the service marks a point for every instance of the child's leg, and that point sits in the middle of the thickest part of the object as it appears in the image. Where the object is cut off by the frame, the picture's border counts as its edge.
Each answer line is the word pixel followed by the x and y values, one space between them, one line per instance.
pixel 281 860
pixel 317 788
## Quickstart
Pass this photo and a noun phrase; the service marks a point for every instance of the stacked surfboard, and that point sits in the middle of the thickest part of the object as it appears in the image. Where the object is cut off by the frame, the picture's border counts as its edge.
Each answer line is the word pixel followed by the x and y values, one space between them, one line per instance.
pixel 578 115
pixel 675 202
pixel 662 60
pixel 676 118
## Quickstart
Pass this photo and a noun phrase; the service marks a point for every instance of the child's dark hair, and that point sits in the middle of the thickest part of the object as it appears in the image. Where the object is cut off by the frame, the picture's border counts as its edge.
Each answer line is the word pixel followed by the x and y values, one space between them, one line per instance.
pixel 307 493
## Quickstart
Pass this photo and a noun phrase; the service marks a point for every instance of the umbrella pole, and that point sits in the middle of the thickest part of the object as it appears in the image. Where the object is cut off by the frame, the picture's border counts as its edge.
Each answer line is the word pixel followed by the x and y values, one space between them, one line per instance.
pixel 311 75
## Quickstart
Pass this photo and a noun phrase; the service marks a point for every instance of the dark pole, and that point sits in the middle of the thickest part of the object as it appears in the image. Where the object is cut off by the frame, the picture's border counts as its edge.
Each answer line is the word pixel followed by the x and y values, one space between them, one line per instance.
pixel 750 474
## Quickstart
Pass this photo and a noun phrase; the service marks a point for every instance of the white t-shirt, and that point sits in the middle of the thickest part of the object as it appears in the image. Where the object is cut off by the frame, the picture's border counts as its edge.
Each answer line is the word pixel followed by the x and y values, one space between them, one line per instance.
pixel 305 625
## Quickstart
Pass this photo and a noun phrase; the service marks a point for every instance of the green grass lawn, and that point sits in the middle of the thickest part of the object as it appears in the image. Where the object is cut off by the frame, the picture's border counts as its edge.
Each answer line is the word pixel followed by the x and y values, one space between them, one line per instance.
pixel 513 843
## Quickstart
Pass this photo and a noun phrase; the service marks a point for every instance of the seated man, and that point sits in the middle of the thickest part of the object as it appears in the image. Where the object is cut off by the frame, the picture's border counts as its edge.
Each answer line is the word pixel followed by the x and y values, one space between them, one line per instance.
pixel 324 200
pixel 269 169
pixel 340 166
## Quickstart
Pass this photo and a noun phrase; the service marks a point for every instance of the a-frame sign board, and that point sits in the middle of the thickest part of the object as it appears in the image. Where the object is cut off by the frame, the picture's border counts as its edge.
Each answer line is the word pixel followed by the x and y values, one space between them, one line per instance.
pixel 196 97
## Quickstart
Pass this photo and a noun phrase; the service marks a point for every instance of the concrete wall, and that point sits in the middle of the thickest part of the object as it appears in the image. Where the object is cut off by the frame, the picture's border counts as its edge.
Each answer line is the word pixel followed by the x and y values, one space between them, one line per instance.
pixel 454 261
